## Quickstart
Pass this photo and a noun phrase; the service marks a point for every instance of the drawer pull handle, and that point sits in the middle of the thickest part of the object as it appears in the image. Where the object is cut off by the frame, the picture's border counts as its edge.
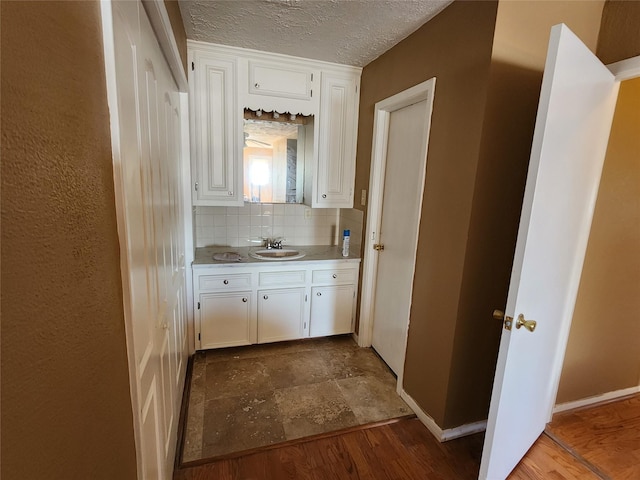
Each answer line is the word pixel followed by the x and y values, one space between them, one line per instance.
pixel 226 282
pixel 319 294
pixel 334 275
pixel 244 299
pixel 266 297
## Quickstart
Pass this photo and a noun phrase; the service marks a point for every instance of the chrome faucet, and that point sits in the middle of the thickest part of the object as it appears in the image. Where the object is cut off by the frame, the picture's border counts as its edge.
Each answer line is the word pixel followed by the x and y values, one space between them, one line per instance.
pixel 273 243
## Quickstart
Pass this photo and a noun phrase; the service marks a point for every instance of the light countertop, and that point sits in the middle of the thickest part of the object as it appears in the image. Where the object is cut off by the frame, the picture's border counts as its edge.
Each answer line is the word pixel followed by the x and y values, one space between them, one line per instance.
pixel 313 253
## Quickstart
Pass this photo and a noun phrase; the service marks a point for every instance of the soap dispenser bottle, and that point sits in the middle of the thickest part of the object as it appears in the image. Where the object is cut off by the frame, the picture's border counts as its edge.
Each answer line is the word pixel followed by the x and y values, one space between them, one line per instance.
pixel 345 243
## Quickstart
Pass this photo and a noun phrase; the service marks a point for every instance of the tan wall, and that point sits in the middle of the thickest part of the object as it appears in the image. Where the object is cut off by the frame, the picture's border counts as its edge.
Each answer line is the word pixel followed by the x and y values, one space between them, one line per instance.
pixel 619 32
pixel 455 47
pixel 66 409
pixel 604 343
pixel 476 170
pixel 175 17
pixel 519 53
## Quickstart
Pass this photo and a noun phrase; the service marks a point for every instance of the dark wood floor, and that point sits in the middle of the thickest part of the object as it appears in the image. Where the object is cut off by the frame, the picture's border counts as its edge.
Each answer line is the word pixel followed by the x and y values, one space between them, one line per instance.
pixel 406 450
pixel 402 450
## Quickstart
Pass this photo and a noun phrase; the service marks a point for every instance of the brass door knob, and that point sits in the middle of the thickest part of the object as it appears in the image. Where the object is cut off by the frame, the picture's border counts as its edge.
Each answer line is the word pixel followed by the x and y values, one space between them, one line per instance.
pixel 528 324
pixel 378 246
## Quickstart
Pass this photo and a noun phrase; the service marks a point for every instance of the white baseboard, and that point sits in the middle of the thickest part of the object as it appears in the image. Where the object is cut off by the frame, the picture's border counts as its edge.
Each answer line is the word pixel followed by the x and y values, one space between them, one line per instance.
pixel 464 430
pixel 440 434
pixel 605 397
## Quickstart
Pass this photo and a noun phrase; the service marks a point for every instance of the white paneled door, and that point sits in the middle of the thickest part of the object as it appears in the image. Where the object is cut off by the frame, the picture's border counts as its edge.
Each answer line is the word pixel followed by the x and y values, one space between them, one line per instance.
pixel 403 127
pixel 572 128
pixel 145 109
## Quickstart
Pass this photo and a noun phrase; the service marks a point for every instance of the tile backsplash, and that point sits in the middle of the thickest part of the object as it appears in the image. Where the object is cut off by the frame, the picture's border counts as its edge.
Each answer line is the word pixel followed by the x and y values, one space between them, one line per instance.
pixel 296 224
pixel 248 225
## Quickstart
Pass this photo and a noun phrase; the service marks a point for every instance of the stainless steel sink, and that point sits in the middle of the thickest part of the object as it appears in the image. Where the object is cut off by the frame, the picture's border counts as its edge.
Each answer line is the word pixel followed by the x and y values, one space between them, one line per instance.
pixel 277 254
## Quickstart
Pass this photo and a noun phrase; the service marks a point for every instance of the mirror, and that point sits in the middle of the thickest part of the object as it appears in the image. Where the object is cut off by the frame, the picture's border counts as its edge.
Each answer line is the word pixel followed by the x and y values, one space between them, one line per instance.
pixel 274 153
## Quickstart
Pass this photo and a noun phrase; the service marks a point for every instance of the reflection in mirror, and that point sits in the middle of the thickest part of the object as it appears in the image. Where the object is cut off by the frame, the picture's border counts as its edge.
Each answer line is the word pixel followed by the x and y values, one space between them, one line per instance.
pixel 274 149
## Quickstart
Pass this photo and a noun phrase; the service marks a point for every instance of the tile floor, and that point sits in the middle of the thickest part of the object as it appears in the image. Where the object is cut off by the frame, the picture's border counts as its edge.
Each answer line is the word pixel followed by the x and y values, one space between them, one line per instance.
pixel 247 397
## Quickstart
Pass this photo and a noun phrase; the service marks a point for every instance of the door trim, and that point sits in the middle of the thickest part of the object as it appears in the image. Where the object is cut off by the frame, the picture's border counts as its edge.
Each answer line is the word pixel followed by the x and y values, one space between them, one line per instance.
pixel 625 69
pixel 159 18
pixel 383 109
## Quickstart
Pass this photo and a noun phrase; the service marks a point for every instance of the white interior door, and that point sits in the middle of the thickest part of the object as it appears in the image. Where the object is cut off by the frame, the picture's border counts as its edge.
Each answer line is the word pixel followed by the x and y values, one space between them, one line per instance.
pixel 408 130
pixel 576 107
pixel 145 109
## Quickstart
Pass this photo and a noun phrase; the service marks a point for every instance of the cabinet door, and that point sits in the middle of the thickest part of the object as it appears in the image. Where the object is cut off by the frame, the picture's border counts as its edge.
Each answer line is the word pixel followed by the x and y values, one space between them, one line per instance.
pixel 335 168
pixel 216 130
pixel 280 314
pixel 331 310
pixel 280 80
pixel 225 320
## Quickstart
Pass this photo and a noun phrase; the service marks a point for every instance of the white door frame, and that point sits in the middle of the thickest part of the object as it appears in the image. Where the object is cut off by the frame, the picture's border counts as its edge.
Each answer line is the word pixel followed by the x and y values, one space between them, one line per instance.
pixel 421 92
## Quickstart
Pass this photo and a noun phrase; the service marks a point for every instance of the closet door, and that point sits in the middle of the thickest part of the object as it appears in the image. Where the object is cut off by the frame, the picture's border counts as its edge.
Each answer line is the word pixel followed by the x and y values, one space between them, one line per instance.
pixel 146 153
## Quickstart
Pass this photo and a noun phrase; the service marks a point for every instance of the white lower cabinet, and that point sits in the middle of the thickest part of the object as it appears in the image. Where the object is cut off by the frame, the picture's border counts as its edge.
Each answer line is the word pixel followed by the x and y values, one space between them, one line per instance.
pixel 225 319
pixel 332 310
pixel 258 303
pixel 280 314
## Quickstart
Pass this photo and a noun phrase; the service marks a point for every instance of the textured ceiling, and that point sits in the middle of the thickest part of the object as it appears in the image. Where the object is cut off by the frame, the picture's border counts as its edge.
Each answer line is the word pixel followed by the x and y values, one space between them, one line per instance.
pixel 351 32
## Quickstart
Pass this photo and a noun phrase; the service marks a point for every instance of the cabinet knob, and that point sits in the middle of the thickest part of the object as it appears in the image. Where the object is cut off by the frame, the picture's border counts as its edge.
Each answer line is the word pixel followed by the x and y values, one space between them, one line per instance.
pixel 244 299
pixel 334 275
pixel 226 282
pixel 324 195
pixel 319 294
pixel 230 193
pixel 266 297
pixel 257 85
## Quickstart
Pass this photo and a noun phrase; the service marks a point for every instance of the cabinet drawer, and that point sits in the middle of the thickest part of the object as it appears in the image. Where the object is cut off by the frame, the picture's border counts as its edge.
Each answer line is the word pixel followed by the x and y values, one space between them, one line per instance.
pixel 234 281
pixel 293 277
pixel 335 276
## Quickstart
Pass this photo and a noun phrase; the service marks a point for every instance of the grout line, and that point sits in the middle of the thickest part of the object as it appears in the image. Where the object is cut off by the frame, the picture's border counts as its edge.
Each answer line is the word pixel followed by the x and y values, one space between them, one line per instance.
pixel 576 455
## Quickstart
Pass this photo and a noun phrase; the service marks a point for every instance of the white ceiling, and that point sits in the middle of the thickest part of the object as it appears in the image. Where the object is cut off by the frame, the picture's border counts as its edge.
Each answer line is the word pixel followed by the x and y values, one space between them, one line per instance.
pixel 351 32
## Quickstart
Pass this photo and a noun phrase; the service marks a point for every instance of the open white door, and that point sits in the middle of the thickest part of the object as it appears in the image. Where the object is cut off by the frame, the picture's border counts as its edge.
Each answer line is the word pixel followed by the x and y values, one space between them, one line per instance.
pixel 576 107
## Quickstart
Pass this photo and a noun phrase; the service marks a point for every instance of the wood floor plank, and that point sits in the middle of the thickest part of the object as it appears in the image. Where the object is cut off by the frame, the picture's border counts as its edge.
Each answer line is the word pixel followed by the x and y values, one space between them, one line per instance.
pixel 607 436
pixel 548 460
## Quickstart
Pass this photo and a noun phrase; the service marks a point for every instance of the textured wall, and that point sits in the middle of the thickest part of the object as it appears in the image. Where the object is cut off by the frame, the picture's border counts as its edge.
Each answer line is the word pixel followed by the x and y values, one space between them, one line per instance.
pixel 455 47
pixel 66 409
pixel 620 31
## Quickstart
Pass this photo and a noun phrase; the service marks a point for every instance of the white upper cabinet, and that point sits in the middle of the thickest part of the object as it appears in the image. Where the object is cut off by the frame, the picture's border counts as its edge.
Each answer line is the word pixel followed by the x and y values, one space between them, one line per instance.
pixel 216 126
pixel 224 81
pixel 281 86
pixel 335 169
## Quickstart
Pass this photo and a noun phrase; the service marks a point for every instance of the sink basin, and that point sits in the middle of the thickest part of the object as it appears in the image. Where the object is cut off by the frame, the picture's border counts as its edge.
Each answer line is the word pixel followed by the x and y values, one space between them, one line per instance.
pixel 277 254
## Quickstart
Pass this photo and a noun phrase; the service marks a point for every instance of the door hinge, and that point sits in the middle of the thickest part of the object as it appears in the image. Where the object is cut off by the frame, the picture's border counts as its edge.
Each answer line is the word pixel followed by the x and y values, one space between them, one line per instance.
pixel 198 305
pixel 199 338
pixel 193 66
pixel 311 93
pixel 305 297
pixel 305 325
pixel 312 77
